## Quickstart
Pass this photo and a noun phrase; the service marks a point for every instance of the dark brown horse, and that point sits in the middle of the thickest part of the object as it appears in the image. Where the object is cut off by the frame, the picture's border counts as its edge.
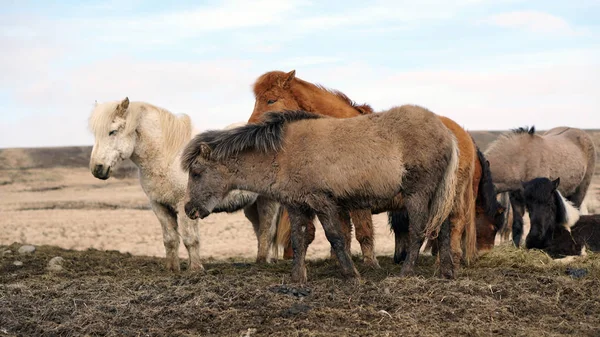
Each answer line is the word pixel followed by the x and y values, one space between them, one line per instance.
pixel 405 151
pixel 556 226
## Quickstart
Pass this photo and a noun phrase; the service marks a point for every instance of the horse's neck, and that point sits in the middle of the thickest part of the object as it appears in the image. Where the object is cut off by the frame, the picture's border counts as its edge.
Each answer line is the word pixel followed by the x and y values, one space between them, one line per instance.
pixel 254 172
pixel 314 99
pixel 149 153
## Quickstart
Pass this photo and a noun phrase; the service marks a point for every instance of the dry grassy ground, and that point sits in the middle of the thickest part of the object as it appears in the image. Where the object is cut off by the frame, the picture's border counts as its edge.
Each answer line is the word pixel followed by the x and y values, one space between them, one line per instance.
pixel 509 292
pixel 49 198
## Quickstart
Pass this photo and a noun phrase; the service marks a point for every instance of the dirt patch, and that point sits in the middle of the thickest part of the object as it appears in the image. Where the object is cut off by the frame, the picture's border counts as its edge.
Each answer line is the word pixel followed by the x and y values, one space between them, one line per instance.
pixel 508 292
pixel 80 205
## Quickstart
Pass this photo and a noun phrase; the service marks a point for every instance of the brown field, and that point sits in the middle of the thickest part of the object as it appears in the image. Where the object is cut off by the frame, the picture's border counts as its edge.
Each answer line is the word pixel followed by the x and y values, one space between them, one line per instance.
pixel 114 283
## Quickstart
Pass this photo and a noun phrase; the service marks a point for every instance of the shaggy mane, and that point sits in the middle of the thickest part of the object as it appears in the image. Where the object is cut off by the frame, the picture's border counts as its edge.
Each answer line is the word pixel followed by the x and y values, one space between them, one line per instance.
pixel 523 130
pixel 363 109
pixel 265 136
pixel 176 130
pixel 487 191
pixel 276 78
pixel 514 135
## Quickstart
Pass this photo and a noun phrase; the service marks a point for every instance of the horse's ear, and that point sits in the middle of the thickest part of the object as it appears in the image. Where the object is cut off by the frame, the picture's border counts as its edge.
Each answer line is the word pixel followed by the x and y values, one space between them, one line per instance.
pixel 205 151
pixel 555 183
pixel 123 106
pixel 288 78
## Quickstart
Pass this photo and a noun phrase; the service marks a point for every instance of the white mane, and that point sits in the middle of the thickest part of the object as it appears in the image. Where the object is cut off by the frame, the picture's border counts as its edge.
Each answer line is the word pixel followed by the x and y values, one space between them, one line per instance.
pixel 176 130
pixel 572 213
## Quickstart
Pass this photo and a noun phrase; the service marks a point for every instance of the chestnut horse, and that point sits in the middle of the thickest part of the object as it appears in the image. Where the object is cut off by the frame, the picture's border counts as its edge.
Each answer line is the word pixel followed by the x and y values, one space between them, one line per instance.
pixel 277 90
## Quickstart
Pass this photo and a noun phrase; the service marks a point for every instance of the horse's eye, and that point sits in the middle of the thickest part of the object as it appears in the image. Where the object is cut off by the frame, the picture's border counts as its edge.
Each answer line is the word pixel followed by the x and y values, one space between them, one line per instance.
pixel 271 101
pixel 113 132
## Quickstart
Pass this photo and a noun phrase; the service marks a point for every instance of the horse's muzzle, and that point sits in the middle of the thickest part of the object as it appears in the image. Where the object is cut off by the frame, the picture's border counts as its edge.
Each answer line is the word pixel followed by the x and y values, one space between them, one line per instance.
pixel 101 172
pixel 195 212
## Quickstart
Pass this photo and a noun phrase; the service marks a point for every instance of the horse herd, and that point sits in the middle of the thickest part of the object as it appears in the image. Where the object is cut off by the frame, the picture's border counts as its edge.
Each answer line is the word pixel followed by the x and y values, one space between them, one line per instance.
pixel 308 152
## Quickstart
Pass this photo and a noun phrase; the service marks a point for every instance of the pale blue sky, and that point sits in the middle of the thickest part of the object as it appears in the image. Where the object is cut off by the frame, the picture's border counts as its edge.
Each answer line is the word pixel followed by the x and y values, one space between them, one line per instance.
pixel 486 64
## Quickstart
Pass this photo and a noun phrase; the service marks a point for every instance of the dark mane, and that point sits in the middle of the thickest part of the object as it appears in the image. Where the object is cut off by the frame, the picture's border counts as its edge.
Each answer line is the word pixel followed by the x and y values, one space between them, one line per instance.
pixel 523 130
pixel 363 109
pixel 265 136
pixel 487 191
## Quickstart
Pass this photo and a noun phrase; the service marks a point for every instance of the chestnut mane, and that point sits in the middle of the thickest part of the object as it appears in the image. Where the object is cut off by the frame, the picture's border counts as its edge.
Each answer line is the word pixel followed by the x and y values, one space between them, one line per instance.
pixel 277 78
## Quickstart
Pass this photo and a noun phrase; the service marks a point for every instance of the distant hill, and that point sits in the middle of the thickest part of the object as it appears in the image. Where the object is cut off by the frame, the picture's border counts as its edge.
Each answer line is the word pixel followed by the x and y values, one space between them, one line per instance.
pixel 79 156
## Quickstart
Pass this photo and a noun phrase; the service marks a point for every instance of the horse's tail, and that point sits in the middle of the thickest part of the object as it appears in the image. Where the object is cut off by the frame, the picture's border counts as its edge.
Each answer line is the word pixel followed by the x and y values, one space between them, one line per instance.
pixel 284 230
pixel 443 199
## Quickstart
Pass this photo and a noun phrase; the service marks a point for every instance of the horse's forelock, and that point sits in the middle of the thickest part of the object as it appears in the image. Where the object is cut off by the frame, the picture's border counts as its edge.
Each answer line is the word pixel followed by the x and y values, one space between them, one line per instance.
pixel 267 81
pixel 190 152
pixel 102 116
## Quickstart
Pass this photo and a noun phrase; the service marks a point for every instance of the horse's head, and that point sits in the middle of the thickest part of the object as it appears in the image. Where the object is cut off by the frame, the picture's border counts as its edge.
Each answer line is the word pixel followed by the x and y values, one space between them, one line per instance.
pixel 273 92
pixel 114 134
pixel 207 180
pixel 487 227
pixel 545 207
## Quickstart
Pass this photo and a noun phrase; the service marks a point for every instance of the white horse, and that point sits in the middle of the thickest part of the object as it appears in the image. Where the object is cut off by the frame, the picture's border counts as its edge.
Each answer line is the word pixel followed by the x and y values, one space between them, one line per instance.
pixel 153 139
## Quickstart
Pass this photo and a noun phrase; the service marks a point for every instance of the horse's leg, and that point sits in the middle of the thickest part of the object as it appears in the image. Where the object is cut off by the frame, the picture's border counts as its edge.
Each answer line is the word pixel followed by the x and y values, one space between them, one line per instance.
pixel 399 222
pixel 191 239
pixel 346 226
pixel 447 267
pixel 298 221
pixel 251 213
pixel 363 227
pixel 168 222
pixel 267 215
pixel 288 252
pixel 457 228
pixel 331 218
pixel 517 227
pixel 418 213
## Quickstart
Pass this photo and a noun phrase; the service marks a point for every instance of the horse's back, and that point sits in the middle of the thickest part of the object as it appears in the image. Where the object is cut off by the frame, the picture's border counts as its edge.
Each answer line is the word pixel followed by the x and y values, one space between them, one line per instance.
pixel 383 144
pixel 575 146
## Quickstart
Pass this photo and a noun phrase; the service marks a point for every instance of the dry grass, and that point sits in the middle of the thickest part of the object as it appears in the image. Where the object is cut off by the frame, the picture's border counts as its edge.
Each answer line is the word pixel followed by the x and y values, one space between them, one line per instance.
pixel 507 292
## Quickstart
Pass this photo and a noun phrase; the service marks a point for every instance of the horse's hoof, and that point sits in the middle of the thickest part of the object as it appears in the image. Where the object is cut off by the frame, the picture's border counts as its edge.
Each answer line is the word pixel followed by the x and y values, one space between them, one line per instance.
pixel 196 267
pixel 299 276
pixel 371 263
pixel 448 274
pixel 262 260
pixel 173 266
pixel 406 272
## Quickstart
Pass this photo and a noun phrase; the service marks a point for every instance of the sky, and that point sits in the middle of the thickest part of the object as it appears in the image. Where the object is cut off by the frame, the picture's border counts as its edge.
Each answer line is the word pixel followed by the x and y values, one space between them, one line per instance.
pixel 489 65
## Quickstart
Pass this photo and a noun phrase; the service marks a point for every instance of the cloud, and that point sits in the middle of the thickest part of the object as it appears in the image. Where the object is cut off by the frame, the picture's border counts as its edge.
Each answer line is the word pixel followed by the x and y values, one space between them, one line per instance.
pixel 537 22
